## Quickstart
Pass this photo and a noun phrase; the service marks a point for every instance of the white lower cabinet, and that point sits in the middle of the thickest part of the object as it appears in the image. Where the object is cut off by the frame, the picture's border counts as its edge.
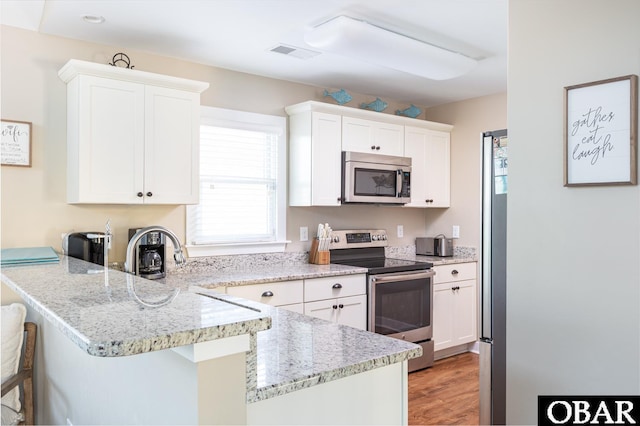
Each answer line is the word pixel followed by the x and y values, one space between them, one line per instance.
pixel 341 299
pixel 454 305
pixel 283 294
pixel 351 311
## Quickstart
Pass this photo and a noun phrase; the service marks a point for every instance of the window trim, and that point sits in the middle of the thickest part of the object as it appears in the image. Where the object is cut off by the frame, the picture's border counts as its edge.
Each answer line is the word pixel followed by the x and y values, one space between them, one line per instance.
pixel 246 120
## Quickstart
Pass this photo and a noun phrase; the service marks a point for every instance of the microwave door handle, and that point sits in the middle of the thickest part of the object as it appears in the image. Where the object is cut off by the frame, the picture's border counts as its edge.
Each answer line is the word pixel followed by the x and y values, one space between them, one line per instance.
pixel 399 183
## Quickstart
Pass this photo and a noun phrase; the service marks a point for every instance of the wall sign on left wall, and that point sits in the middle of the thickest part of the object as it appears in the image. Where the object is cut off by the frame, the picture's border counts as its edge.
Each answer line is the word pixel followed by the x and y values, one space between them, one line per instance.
pixel 15 143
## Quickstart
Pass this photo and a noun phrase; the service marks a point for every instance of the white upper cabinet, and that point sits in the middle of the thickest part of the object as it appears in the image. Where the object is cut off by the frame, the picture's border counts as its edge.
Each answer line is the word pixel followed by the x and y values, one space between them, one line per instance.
pixel 374 137
pixel 314 159
pixel 430 166
pixel 319 132
pixel 132 136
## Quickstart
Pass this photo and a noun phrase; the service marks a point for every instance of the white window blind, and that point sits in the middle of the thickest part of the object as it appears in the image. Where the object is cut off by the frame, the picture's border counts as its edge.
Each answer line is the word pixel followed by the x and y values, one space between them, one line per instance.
pixel 242 184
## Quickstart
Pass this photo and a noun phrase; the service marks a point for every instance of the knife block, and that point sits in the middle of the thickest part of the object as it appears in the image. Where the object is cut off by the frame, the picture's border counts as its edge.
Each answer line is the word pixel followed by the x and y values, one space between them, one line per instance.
pixel 316 256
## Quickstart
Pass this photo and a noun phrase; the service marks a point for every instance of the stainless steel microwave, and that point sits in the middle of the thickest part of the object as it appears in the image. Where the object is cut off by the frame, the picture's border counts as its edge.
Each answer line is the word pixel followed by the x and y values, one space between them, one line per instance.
pixel 377 179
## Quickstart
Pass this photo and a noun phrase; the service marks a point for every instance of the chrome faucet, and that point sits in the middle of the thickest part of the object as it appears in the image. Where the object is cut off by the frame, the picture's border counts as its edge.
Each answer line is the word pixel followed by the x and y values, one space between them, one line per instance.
pixel 178 256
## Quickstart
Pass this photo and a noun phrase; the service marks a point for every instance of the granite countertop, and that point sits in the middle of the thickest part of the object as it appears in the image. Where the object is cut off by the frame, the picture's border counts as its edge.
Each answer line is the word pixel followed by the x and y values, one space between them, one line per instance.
pixel 132 315
pixel 299 351
pixel 437 260
pixel 256 275
pixel 111 320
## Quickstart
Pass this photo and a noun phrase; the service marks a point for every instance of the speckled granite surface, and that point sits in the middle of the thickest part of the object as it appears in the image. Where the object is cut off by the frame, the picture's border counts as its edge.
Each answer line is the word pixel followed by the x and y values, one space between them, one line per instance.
pixel 129 315
pixel 250 273
pixel 289 351
pixel 460 255
pixel 299 351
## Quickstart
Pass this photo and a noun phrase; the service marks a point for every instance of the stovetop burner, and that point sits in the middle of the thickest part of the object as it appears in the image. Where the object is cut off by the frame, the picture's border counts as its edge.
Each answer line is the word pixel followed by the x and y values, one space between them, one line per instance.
pixel 365 248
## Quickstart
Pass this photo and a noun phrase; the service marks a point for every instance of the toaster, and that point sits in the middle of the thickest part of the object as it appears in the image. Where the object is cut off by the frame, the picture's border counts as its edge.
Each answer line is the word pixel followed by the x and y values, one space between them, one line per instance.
pixel 436 246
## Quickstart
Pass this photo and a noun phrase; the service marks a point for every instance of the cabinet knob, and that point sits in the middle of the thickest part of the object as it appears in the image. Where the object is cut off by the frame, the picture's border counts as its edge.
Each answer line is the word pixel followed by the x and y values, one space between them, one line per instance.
pixel 267 293
pixel 337 286
pixel 373 147
pixel 335 306
pixel 149 194
pixel 341 306
pixel 139 194
pixel 454 272
pixel 377 148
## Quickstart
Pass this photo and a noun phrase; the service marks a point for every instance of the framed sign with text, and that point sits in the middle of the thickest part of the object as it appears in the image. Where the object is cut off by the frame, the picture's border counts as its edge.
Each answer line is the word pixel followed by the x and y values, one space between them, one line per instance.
pixel 15 141
pixel 601 132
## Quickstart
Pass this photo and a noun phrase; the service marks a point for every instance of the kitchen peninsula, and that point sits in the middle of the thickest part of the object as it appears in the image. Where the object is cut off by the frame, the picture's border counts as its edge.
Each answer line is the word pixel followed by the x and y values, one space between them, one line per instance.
pixel 115 348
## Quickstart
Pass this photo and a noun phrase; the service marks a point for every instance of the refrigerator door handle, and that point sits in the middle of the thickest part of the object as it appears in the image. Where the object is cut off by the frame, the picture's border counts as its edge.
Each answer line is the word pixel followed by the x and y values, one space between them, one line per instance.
pixel 487 192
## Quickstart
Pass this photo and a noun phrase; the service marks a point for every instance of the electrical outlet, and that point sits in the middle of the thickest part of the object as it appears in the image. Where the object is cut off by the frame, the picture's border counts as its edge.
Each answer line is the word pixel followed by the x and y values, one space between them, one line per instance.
pixel 400 231
pixel 455 231
pixel 304 233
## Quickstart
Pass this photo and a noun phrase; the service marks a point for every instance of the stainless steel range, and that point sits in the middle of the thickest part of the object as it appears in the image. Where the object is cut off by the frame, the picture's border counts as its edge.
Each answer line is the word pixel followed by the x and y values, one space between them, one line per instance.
pixel 399 292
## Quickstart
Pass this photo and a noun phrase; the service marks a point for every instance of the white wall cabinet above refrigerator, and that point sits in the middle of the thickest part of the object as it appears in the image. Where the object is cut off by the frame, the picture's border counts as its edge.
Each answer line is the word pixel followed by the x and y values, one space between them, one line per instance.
pixel 319 132
pixel 132 136
pixel 430 166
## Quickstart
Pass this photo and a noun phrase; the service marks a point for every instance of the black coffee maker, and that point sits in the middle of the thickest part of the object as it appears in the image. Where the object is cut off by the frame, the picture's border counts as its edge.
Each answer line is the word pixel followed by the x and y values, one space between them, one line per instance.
pixel 150 255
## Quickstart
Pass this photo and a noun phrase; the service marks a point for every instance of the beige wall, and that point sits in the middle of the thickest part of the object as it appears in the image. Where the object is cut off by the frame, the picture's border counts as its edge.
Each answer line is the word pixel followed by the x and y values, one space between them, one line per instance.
pixel 34 210
pixel 573 279
pixel 470 119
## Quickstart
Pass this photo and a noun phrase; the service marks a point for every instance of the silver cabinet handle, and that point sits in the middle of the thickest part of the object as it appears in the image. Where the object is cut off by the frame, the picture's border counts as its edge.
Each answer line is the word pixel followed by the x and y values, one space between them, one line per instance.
pixel 337 286
pixel 267 293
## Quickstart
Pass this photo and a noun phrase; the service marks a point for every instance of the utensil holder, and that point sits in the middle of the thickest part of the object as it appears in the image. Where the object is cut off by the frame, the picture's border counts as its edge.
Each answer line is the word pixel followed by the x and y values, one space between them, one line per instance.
pixel 318 257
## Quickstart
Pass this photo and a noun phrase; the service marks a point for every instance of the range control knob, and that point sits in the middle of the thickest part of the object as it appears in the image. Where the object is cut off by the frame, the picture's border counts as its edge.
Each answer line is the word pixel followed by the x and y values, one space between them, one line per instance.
pixel 374 237
pixel 336 239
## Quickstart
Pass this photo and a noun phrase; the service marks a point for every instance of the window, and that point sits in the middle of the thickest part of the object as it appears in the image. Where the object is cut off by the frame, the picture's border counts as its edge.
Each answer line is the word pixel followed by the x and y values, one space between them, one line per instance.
pixel 242 185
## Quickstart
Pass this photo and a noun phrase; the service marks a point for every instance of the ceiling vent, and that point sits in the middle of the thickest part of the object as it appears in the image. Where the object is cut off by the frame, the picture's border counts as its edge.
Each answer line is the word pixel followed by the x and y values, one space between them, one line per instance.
pixel 296 52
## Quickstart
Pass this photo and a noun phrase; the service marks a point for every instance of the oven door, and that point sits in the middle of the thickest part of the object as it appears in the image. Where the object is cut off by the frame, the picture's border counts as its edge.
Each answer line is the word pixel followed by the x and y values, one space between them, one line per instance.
pixel 364 182
pixel 401 305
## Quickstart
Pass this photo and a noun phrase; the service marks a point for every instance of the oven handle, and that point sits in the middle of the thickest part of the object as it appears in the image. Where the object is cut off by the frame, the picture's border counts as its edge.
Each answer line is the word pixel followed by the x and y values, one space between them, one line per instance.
pixel 386 278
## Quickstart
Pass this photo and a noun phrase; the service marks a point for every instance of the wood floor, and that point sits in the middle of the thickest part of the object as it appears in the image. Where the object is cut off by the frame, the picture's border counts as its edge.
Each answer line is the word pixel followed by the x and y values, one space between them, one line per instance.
pixel 447 393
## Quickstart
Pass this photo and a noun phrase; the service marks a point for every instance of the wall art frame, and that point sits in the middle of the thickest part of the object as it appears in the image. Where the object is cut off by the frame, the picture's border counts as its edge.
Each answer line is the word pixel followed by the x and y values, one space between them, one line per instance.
pixel 15 143
pixel 601 132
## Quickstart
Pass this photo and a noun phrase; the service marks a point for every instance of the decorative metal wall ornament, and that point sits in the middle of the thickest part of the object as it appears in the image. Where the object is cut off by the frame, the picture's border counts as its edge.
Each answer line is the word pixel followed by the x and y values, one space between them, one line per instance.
pixel 121 60
pixel 413 111
pixel 378 105
pixel 341 96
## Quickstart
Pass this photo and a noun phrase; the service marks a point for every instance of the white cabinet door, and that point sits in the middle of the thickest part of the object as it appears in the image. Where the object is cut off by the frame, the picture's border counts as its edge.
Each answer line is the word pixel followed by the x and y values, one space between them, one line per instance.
pixel 430 168
pixel 438 163
pixel 172 139
pixel 443 300
pixel 454 305
pixel 105 140
pixel 372 137
pixel 351 311
pixel 464 312
pixel 131 138
pixel 315 159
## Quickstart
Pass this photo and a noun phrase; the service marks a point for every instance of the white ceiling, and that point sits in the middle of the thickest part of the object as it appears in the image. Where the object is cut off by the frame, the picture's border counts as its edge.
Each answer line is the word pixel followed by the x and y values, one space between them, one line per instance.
pixel 238 35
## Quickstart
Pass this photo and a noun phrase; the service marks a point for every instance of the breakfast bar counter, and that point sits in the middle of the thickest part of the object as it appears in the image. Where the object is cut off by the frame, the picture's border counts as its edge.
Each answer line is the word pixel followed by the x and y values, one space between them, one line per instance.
pixel 228 360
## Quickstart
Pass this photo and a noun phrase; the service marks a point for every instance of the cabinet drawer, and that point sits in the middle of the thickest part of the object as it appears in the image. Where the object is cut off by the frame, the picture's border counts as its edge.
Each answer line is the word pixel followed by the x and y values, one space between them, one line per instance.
pixel 274 294
pixel 454 272
pixel 332 287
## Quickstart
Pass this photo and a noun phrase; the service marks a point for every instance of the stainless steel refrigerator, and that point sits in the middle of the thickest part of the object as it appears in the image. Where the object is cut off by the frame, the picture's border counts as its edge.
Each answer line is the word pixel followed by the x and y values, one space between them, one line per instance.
pixel 493 266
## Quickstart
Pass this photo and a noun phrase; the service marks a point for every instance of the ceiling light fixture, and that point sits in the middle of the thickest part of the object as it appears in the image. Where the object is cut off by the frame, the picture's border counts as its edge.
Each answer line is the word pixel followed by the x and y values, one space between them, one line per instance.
pixel 376 45
pixel 93 19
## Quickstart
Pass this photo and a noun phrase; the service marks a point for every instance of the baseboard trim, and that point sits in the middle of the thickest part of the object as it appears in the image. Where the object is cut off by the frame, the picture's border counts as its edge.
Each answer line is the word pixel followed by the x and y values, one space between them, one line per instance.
pixel 456 350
